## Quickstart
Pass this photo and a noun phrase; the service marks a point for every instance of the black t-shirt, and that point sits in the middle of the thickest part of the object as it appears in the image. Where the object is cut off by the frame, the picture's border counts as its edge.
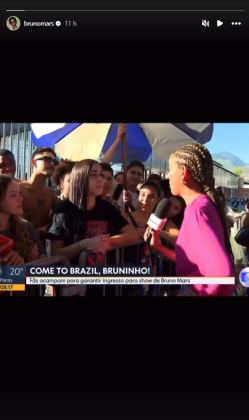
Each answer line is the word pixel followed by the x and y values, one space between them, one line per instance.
pixel 72 225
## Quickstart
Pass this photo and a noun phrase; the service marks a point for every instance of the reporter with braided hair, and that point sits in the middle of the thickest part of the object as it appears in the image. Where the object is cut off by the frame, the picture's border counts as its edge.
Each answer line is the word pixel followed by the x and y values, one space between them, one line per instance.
pixel 203 247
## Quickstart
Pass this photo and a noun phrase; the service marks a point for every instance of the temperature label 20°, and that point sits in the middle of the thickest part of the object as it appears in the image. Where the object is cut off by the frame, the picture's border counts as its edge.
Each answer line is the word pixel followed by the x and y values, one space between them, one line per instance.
pixel 12 278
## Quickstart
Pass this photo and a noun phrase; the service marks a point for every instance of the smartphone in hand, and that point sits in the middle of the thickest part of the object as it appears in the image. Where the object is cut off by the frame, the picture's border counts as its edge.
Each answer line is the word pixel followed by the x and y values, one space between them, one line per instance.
pixel 6 245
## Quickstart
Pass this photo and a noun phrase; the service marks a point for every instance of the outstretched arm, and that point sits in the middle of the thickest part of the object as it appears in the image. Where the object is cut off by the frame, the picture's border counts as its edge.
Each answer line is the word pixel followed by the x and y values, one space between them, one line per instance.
pixel 170 233
pixel 166 252
pixel 110 152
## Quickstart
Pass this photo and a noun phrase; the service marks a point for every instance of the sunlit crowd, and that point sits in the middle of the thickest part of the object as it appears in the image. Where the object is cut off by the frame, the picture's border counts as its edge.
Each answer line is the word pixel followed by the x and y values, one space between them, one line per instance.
pixel 89 211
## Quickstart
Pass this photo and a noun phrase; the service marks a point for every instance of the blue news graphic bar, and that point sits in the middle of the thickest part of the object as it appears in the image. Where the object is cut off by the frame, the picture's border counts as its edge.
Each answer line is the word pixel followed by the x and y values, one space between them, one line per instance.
pixel 98 271
pixel 12 275
pixel 16 280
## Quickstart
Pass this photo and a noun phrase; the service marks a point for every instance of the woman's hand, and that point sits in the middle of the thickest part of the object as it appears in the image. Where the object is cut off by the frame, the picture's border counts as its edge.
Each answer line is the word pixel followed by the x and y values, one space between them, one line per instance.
pixel 11 258
pixel 147 234
pixel 155 243
pixel 99 244
pixel 154 237
pixel 121 130
pixel 127 198
pixel 3 248
pixel 33 253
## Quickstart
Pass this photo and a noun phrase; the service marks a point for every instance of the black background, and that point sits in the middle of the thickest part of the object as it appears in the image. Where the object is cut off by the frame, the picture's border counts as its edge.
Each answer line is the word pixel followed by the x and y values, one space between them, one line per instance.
pixel 149 66
pixel 125 358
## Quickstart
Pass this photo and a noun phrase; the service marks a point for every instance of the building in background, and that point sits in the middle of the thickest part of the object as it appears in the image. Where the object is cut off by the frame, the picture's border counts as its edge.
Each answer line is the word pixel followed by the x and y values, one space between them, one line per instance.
pixel 243 188
pixel 17 138
pixel 226 179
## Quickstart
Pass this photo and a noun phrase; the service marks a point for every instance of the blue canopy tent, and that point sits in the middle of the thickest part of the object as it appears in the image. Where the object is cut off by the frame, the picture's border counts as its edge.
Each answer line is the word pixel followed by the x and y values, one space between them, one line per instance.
pixel 78 141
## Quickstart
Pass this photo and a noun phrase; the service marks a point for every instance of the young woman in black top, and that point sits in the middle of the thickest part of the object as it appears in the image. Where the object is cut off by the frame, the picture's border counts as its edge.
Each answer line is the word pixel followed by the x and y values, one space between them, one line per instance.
pixel 86 222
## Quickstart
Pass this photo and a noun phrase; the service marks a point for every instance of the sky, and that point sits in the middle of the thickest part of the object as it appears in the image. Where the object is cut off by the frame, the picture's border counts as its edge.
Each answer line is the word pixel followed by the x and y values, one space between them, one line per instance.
pixel 232 138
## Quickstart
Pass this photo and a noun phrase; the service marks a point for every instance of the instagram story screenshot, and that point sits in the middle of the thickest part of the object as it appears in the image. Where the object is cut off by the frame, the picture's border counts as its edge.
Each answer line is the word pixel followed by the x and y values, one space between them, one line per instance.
pixel 124 209
pixel 134 201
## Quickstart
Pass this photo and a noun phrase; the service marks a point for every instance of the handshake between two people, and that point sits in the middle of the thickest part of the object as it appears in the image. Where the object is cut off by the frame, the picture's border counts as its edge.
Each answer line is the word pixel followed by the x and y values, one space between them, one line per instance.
pixel 104 243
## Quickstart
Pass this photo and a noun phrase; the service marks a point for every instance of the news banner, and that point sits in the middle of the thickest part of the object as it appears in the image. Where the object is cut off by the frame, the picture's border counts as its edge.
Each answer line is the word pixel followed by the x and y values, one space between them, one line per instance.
pixel 16 278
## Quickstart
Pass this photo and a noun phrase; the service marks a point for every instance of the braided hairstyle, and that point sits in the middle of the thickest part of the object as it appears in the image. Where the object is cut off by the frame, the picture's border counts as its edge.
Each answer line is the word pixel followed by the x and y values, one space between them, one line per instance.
pixel 197 159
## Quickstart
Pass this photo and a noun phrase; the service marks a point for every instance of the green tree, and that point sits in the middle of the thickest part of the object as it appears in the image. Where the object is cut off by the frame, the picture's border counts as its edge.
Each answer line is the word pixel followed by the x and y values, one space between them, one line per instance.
pixel 238 171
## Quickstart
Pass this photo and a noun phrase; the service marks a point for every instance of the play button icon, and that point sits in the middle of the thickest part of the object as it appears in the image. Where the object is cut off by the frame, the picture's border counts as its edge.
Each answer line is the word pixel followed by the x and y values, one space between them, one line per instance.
pixel 219 23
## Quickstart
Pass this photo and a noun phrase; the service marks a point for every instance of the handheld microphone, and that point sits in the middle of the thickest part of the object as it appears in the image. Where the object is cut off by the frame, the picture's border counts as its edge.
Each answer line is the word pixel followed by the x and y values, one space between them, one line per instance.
pixel 158 219
pixel 117 192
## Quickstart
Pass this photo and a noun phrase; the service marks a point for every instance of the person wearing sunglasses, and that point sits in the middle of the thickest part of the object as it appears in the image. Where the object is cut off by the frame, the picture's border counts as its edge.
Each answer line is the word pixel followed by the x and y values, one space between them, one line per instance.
pixel 38 199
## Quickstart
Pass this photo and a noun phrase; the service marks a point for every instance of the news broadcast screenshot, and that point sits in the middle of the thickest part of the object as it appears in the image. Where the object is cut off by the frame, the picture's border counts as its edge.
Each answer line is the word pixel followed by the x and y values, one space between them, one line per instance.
pixel 123 209
pixel 142 193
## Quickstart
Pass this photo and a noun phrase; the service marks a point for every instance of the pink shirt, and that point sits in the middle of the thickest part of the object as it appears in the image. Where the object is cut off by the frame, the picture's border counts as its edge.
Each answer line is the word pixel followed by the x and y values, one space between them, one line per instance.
pixel 200 249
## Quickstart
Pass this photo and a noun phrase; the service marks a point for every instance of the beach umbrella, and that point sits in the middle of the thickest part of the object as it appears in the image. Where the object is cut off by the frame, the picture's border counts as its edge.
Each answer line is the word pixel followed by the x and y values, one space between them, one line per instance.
pixel 79 141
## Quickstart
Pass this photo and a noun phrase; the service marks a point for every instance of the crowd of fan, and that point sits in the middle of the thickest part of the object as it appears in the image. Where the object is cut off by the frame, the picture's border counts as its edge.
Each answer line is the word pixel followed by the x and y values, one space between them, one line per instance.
pixel 84 215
